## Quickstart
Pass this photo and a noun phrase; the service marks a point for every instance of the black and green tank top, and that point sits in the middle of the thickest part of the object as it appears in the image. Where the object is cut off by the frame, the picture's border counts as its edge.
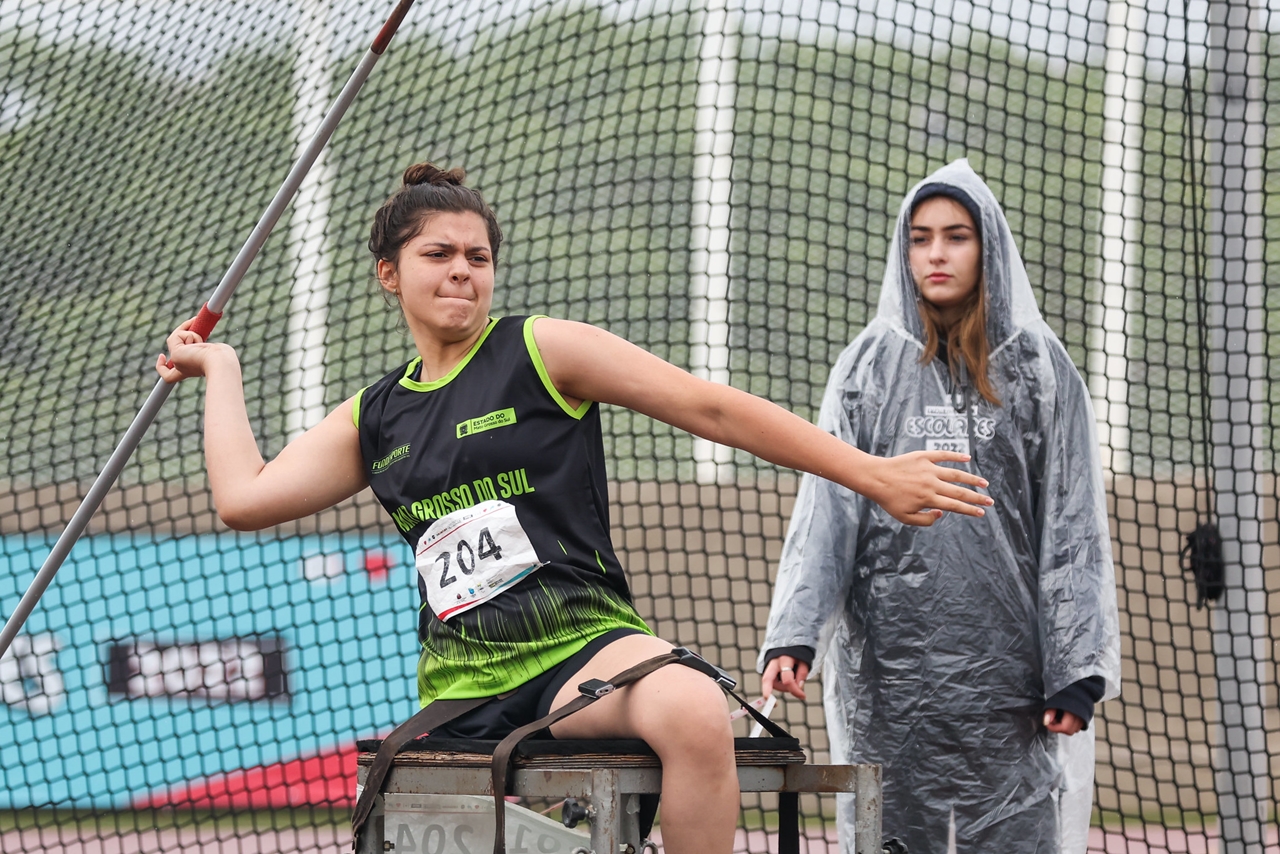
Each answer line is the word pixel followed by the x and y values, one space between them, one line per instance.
pixel 496 428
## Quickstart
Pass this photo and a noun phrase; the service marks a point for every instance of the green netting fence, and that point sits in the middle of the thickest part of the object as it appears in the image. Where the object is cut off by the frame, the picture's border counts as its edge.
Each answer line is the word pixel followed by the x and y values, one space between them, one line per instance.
pixel 716 182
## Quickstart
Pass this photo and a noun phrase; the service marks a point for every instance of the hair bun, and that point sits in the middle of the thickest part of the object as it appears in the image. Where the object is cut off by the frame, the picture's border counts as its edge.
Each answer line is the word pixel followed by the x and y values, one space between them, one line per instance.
pixel 429 173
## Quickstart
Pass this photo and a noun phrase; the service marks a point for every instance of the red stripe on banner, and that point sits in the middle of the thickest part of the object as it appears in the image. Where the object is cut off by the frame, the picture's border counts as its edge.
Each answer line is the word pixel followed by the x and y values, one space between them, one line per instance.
pixel 325 779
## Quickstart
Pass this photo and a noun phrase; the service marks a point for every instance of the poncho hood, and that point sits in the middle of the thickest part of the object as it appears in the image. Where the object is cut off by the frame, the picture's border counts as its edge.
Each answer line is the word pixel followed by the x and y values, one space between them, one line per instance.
pixel 1010 302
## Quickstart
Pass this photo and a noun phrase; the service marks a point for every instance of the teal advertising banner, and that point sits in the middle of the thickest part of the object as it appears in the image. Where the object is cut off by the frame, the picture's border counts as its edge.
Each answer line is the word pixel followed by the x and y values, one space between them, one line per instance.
pixel 169 671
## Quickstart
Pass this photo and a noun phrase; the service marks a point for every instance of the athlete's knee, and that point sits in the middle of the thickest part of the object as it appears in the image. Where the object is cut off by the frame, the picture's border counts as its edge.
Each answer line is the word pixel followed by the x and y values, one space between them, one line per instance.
pixel 689 718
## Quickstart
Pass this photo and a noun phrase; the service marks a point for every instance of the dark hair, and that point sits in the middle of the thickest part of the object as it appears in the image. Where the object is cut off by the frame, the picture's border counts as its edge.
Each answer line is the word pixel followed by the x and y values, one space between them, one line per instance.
pixel 427 190
pixel 967 337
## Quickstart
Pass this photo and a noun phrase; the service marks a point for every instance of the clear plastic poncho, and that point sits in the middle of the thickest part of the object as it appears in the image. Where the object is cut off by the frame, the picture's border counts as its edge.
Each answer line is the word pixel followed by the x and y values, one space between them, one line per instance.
pixel 940 645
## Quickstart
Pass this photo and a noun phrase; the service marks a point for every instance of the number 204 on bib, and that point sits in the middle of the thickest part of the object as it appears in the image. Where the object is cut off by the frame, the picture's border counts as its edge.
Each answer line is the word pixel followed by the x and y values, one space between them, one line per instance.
pixel 471 555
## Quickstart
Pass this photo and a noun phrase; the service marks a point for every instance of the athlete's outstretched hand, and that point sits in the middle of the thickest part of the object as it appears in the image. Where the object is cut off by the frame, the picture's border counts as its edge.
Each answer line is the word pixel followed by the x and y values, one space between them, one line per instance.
pixel 188 354
pixel 915 490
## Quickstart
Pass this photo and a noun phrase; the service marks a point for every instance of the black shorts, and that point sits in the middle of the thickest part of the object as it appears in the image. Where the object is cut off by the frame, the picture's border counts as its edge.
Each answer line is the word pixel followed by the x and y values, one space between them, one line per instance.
pixel 496 719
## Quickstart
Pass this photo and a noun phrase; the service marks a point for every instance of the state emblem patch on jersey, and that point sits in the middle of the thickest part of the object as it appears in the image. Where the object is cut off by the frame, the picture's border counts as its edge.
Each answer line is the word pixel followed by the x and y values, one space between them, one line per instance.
pixel 492 421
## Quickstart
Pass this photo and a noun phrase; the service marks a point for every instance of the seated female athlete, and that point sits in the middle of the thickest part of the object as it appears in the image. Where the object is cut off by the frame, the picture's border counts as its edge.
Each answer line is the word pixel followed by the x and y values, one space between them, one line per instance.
pixel 486 450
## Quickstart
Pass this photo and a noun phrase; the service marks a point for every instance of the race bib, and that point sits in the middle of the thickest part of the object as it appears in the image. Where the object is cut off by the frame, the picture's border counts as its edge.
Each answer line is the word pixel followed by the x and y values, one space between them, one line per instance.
pixel 472 555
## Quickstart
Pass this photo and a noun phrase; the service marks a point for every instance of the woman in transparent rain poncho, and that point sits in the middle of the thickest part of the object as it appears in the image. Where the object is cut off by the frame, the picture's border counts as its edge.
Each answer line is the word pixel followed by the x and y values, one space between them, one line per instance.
pixel 966 658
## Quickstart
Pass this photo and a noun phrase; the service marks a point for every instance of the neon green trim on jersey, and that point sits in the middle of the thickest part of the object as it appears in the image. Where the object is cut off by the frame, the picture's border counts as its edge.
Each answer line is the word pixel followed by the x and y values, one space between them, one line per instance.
pixel 599 561
pixel 546 379
pixel 355 407
pixel 416 385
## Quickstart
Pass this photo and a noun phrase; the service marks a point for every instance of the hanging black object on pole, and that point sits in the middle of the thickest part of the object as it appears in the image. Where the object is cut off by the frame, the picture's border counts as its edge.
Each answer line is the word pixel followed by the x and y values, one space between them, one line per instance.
pixel 209 315
pixel 1202 558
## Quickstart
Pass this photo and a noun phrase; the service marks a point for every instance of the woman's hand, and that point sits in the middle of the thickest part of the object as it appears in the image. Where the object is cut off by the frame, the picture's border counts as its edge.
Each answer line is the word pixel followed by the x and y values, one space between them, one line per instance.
pixel 784 673
pixel 915 490
pixel 189 355
pixel 1060 720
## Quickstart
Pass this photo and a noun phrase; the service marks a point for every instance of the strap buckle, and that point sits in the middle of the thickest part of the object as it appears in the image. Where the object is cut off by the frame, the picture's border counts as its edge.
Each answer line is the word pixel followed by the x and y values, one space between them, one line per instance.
pixel 689 658
pixel 595 688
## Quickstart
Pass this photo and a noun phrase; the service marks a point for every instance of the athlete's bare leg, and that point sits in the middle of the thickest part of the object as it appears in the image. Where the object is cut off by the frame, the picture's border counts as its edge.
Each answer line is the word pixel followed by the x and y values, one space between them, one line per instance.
pixel 683 716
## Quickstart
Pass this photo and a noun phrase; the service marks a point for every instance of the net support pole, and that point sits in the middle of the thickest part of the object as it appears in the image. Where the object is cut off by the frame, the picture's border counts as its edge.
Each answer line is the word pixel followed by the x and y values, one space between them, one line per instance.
pixel 1124 88
pixel 1235 134
pixel 710 219
pixel 208 316
pixel 308 331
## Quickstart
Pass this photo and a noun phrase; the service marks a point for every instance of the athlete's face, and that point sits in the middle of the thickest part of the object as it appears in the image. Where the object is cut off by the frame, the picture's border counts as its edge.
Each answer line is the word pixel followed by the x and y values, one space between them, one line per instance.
pixel 443 277
pixel 945 254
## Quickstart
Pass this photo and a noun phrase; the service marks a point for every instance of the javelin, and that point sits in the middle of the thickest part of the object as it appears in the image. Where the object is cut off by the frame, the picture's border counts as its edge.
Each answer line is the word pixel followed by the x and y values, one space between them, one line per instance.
pixel 209 315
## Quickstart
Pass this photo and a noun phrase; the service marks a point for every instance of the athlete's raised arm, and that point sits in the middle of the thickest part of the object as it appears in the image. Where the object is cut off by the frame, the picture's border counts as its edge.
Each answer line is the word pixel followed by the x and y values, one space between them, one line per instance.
pixel 315 471
pixel 588 363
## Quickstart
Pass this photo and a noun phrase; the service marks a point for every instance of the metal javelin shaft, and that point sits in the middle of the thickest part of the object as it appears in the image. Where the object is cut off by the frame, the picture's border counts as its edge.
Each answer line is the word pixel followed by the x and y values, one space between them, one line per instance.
pixel 204 323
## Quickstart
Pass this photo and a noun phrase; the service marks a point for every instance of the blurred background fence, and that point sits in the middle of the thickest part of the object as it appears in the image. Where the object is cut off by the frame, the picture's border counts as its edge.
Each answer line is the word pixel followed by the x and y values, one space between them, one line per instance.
pixel 715 181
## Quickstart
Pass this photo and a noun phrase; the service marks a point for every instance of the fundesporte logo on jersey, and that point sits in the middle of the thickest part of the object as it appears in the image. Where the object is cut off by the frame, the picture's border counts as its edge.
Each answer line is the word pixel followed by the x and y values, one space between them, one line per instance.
pixel 944 429
pixel 400 453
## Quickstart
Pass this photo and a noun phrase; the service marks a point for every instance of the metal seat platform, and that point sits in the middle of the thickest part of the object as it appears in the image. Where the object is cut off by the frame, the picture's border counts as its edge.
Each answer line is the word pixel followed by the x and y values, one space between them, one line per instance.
pixel 608 777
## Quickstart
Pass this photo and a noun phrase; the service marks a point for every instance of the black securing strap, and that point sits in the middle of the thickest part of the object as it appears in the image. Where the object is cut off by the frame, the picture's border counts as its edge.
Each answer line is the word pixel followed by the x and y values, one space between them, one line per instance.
pixel 592 690
pixel 442 711
pixel 769 726
pixel 691 659
pixel 589 692
pixel 428 718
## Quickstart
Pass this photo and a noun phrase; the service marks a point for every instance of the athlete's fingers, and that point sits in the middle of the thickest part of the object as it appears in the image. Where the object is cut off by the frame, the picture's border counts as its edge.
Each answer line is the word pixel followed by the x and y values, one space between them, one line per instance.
pixel 923 519
pixel 951 475
pixel 954 505
pixel 166 371
pixel 181 339
pixel 183 336
pixel 960 493
pixel 174 342
pixel 945 456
